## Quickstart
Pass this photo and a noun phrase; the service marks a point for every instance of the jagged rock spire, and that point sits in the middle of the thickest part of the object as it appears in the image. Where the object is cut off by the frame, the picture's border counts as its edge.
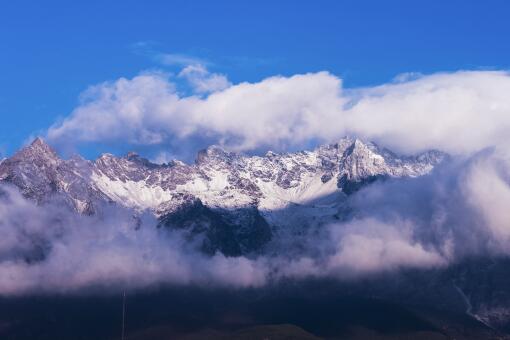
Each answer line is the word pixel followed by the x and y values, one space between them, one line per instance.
pixel 37 150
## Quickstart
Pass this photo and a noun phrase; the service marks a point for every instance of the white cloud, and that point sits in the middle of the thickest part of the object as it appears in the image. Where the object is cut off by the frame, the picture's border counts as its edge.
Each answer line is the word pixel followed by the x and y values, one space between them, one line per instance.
pixel 70 252
pixel 202 81
pixel 148 110
pixel 407 76
pixel 369 246
pixel 487 189
pixel 457 112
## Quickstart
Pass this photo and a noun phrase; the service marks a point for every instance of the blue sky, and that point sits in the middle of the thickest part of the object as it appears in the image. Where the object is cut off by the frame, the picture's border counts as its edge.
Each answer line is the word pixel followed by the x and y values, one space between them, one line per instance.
pixel 52 51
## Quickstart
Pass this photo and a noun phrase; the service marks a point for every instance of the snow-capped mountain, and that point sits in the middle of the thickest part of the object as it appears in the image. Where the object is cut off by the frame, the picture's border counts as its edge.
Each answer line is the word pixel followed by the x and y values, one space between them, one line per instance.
pixel 220 179
pixel 228 196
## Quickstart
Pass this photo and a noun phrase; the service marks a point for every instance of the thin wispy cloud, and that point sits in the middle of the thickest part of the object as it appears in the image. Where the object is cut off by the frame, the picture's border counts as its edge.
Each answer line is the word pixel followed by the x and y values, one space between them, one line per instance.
pixel 179 59
pixel 150 49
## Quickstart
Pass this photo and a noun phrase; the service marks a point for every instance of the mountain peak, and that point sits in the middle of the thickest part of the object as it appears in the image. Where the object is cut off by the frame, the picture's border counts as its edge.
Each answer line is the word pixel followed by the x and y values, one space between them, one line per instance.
pixel 131 155
pixel 214 152
pixel 38 141
pixel 358 142
pixel 136 158
pixel 38 149
pixel 358 146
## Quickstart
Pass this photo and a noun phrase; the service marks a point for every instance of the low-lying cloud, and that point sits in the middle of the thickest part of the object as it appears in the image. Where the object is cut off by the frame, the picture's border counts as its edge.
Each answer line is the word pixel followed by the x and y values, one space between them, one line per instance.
pixel 50 248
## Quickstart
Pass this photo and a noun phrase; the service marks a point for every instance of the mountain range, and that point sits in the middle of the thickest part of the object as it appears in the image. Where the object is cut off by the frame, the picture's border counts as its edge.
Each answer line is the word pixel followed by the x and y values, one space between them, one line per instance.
pixel 238 201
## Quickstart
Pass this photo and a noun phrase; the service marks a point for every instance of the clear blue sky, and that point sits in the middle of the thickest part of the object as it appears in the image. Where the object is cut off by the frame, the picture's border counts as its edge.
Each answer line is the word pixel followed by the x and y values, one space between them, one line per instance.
pixel 52 50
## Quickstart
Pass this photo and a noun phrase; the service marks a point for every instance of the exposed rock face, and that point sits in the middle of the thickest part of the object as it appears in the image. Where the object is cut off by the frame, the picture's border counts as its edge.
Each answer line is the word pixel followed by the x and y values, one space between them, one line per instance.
pixel 40 175
pixel 233 232
pixel 236 201
pixel 364 163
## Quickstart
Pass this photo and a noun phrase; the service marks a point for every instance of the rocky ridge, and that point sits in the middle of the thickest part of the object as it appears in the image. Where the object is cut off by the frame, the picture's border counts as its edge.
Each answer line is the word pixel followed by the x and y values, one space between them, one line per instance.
pixel 219 179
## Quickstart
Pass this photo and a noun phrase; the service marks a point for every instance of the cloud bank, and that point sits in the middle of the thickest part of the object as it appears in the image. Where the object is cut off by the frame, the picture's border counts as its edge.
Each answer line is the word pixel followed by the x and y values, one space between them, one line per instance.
pixel 51 249
pixel 461 112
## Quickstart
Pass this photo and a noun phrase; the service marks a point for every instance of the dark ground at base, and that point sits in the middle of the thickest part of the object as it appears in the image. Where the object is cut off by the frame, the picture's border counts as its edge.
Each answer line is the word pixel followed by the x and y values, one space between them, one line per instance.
pixel 194 313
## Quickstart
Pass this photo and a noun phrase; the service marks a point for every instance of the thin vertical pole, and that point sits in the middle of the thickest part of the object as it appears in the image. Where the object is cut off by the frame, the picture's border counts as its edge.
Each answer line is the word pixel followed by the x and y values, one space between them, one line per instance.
pixel 123 312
